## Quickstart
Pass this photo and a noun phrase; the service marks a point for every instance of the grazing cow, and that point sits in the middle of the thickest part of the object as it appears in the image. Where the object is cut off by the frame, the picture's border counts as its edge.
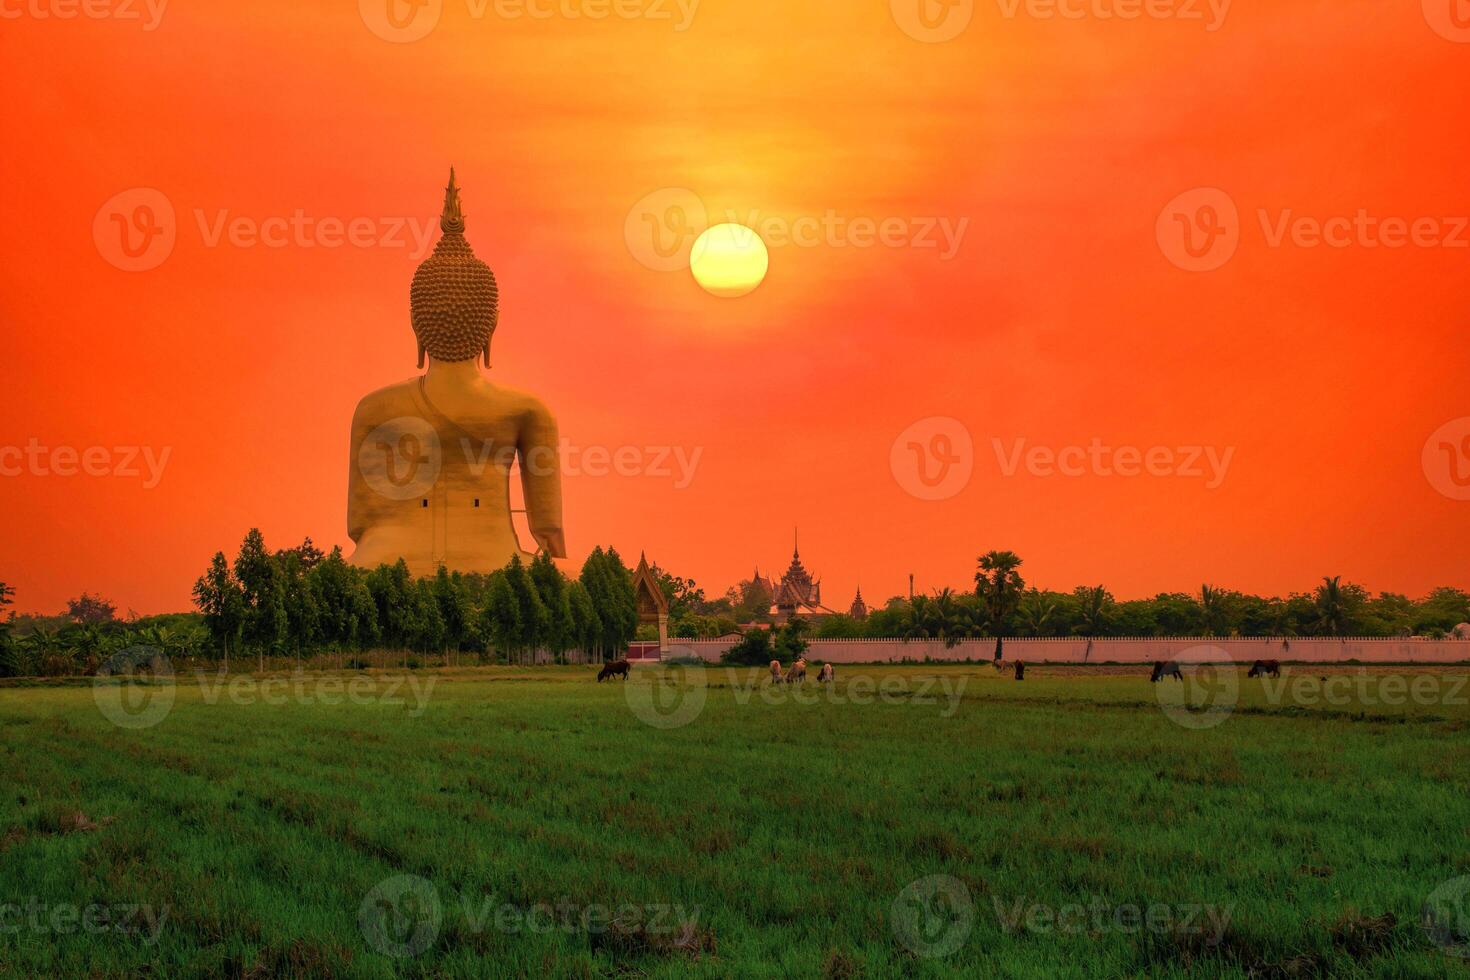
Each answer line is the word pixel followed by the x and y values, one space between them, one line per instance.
pixel 1020 670
pixel 1265 668
pixel 775 671
pixel 828 674
pixel 1163 669
pixel 618 668
pixel 797 673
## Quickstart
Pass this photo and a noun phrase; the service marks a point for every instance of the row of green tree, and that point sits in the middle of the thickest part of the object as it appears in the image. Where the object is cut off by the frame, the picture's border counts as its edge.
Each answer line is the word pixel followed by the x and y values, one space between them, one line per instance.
pixel 302 602
pixel 1001 604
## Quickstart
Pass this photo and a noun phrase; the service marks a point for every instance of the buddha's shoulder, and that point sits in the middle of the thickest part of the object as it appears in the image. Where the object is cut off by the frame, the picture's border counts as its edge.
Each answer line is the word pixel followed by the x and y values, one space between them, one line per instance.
pixel 521 402
pixel 395 399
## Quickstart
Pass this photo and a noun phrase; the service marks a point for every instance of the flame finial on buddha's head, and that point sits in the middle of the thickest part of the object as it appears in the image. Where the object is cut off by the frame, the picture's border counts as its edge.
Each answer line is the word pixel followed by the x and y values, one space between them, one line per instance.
pixel 454 301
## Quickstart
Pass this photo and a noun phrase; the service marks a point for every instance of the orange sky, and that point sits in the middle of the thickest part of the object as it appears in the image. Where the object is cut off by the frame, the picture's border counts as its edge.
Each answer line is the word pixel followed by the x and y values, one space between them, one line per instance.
pixel 1060 319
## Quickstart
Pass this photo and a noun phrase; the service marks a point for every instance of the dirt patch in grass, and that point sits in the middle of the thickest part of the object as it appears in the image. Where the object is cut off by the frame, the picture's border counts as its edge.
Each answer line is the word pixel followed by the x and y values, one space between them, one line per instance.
pixel 1363 937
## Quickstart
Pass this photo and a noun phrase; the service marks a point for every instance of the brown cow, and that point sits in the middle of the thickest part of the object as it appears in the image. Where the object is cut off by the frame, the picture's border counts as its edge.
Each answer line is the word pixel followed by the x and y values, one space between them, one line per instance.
pixel 618 668
pixel 1265 668
pixel 1020 670
pixel 828 674
pixel 797 673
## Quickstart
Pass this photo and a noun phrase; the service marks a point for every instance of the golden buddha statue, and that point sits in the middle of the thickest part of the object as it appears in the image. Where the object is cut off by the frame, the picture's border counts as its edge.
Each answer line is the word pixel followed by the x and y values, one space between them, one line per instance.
pixel 432 456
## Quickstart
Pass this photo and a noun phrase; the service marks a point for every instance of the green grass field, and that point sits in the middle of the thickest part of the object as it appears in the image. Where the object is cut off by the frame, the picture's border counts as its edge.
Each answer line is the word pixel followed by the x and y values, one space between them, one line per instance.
pixel 930 821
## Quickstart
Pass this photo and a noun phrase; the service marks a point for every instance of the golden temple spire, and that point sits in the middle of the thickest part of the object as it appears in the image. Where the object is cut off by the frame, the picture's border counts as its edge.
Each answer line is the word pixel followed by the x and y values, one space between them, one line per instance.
pixel 452 220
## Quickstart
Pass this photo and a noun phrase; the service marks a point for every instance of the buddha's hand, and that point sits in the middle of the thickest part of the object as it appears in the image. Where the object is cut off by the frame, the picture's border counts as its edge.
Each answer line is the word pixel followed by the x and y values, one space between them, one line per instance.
pixel 552 541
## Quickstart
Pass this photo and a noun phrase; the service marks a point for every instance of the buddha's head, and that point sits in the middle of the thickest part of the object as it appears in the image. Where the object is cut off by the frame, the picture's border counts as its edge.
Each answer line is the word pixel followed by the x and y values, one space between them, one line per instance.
pixel 454 301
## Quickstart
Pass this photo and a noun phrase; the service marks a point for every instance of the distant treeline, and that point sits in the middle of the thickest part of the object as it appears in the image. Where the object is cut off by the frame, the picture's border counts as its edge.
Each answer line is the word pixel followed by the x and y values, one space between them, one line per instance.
pixel 1001 604
pixel 302 603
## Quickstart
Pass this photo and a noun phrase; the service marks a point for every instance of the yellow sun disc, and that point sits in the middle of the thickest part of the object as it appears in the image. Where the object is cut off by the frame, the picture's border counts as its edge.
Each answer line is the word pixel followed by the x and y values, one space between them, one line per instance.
pixel 729 260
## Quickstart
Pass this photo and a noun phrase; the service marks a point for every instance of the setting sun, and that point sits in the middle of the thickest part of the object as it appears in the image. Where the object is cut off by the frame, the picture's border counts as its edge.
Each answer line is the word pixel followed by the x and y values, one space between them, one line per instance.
pixel 729 260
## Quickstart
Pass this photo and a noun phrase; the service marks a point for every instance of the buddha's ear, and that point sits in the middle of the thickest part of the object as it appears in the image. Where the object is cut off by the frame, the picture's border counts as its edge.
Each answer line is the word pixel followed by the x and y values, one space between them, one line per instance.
pixel 421 355
pixel 487 352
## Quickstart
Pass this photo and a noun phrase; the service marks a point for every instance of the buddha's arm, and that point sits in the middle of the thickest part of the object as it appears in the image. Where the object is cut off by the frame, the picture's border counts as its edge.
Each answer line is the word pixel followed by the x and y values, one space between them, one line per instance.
pixel 540 457
pixel 357 488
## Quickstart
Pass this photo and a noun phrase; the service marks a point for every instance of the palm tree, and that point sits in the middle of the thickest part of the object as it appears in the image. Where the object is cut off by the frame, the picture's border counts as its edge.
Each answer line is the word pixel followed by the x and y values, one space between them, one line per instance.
pixel 42 643
pixel 1214 605
pixel 1094 610
pixel 89 641
pixel 1036 613
pixel 1331 604
pixel 999 586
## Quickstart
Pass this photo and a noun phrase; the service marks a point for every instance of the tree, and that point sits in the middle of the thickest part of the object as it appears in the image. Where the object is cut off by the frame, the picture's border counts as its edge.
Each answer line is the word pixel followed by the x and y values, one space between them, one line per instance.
pixel 998 584
pixel 790 639
pixel 455 610
pixel 391 588
pixel 551 587
pixel 9 658
pixel 1218 610
pixel 306 552
pixel 501 617
pixel 301 602
pixel 1335 605
pixel 1094 610
pixel 609 585
pixel 263 586
pixel 218 596
pixel 88 608
pixel 429 629
pixel 585 628
pixel 754 649
pixel 533 618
